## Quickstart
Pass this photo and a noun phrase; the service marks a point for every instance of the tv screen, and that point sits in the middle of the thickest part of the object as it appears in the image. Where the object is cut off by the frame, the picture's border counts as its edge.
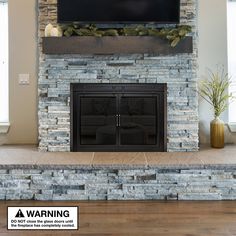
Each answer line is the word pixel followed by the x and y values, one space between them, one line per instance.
pixel 118 11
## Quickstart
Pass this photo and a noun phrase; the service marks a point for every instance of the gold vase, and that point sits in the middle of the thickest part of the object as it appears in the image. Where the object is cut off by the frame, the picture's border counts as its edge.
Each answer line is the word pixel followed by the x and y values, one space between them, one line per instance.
pixel 217 133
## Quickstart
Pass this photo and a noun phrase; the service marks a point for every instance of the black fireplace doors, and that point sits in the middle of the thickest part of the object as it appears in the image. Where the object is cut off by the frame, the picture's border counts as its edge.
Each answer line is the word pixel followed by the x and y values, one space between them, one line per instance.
pixel 115 117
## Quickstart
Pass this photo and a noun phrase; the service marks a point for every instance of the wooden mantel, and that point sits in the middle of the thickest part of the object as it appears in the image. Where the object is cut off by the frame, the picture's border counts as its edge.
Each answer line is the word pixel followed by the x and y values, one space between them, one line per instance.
pixel 114 45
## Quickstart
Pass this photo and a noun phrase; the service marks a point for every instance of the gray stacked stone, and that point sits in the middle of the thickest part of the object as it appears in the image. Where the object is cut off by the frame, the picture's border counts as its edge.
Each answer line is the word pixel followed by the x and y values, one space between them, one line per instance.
pixel 56 72
pixel 118 184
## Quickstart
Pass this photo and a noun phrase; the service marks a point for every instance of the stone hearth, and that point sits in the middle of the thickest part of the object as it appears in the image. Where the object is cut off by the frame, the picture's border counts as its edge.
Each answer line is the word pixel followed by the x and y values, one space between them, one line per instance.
pixel 25 173
pixel 57 72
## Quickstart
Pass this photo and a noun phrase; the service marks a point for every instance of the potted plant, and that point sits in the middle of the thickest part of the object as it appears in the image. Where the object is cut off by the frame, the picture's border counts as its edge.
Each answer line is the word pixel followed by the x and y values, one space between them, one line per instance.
pixel 214 89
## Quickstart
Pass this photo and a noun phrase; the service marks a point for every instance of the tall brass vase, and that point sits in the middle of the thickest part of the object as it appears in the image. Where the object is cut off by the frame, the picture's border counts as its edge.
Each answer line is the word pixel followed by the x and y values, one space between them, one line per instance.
pixel 217 133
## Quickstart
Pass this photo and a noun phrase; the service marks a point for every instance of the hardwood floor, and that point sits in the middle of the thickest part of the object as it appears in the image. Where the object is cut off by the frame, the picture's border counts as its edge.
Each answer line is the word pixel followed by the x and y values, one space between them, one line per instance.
pixel 162 218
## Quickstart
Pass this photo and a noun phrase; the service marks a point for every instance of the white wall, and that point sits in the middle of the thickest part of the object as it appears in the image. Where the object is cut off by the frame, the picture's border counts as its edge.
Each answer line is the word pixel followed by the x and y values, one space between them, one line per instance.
pixel 22 59
pixel 212 25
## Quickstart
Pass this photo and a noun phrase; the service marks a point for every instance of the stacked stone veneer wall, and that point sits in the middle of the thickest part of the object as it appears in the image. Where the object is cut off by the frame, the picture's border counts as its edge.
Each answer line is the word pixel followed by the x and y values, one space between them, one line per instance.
pixel 118 184
pixel 56 72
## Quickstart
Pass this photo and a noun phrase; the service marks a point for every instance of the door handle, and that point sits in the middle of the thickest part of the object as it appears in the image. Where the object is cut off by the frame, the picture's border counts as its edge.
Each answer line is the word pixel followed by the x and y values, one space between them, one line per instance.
pixel 117 120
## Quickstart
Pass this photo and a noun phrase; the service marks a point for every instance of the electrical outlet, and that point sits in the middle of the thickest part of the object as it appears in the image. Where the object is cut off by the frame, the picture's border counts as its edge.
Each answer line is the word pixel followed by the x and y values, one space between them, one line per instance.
pixel 24 79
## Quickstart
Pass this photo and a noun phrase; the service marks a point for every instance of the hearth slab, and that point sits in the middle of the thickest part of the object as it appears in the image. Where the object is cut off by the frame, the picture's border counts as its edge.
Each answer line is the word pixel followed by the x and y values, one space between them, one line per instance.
pixel 27 174
pixel 30 157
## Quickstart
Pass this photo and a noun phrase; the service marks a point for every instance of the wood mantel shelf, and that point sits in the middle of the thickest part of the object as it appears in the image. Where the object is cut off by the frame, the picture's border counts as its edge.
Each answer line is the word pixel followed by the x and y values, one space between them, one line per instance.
pixel 114 44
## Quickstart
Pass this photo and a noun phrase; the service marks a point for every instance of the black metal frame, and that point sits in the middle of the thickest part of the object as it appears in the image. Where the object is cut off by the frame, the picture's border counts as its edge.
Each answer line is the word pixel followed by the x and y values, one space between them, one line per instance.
pixel 95 89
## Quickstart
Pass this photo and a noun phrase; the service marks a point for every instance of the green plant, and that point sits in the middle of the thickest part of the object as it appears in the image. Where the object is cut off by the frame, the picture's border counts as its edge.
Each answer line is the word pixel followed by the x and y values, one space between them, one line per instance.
pixel 173 35
pixel 214 89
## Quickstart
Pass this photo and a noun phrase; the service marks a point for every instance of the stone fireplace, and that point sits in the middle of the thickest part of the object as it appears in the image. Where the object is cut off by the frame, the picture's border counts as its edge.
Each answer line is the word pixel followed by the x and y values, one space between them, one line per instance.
pixel 58 72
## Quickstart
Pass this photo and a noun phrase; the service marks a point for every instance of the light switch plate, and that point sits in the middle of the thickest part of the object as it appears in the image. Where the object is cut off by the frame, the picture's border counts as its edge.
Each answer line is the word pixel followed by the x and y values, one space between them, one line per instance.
pixel 24 79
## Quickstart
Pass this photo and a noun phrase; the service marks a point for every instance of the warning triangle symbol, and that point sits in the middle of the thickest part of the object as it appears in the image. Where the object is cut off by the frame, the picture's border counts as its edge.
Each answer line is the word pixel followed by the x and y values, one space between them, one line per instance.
pixel 19 214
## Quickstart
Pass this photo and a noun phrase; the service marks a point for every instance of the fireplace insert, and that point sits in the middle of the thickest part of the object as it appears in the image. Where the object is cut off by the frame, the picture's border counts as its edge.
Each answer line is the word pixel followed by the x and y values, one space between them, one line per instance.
pixel 118 117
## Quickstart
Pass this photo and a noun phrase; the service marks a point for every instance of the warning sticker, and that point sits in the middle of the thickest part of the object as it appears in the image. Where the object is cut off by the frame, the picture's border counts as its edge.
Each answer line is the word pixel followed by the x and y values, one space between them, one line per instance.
pixel 42 218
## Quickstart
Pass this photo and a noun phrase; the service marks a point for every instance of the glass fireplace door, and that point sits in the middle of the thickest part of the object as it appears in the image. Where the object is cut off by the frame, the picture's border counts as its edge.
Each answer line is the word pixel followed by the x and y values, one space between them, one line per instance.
pixel 118 117
pixel 98 120
pixel 138 124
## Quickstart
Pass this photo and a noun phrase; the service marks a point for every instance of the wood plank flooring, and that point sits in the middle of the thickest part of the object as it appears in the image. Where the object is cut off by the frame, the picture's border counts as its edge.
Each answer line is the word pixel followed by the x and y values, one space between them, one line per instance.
pixel 216 218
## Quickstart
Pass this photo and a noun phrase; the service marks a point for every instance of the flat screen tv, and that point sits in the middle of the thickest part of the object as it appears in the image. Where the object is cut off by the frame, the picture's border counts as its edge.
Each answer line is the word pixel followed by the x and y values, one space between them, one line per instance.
pixel 119 11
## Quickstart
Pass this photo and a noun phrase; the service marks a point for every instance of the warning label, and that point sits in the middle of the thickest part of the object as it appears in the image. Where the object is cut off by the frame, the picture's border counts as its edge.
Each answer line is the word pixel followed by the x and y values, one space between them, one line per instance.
pixel 42 218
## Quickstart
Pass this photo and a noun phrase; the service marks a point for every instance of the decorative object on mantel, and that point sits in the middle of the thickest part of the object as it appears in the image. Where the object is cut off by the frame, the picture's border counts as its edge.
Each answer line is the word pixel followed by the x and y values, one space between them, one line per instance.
pixel 173 35
pixel 51 31
pixel 214 90
pixel 47 31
